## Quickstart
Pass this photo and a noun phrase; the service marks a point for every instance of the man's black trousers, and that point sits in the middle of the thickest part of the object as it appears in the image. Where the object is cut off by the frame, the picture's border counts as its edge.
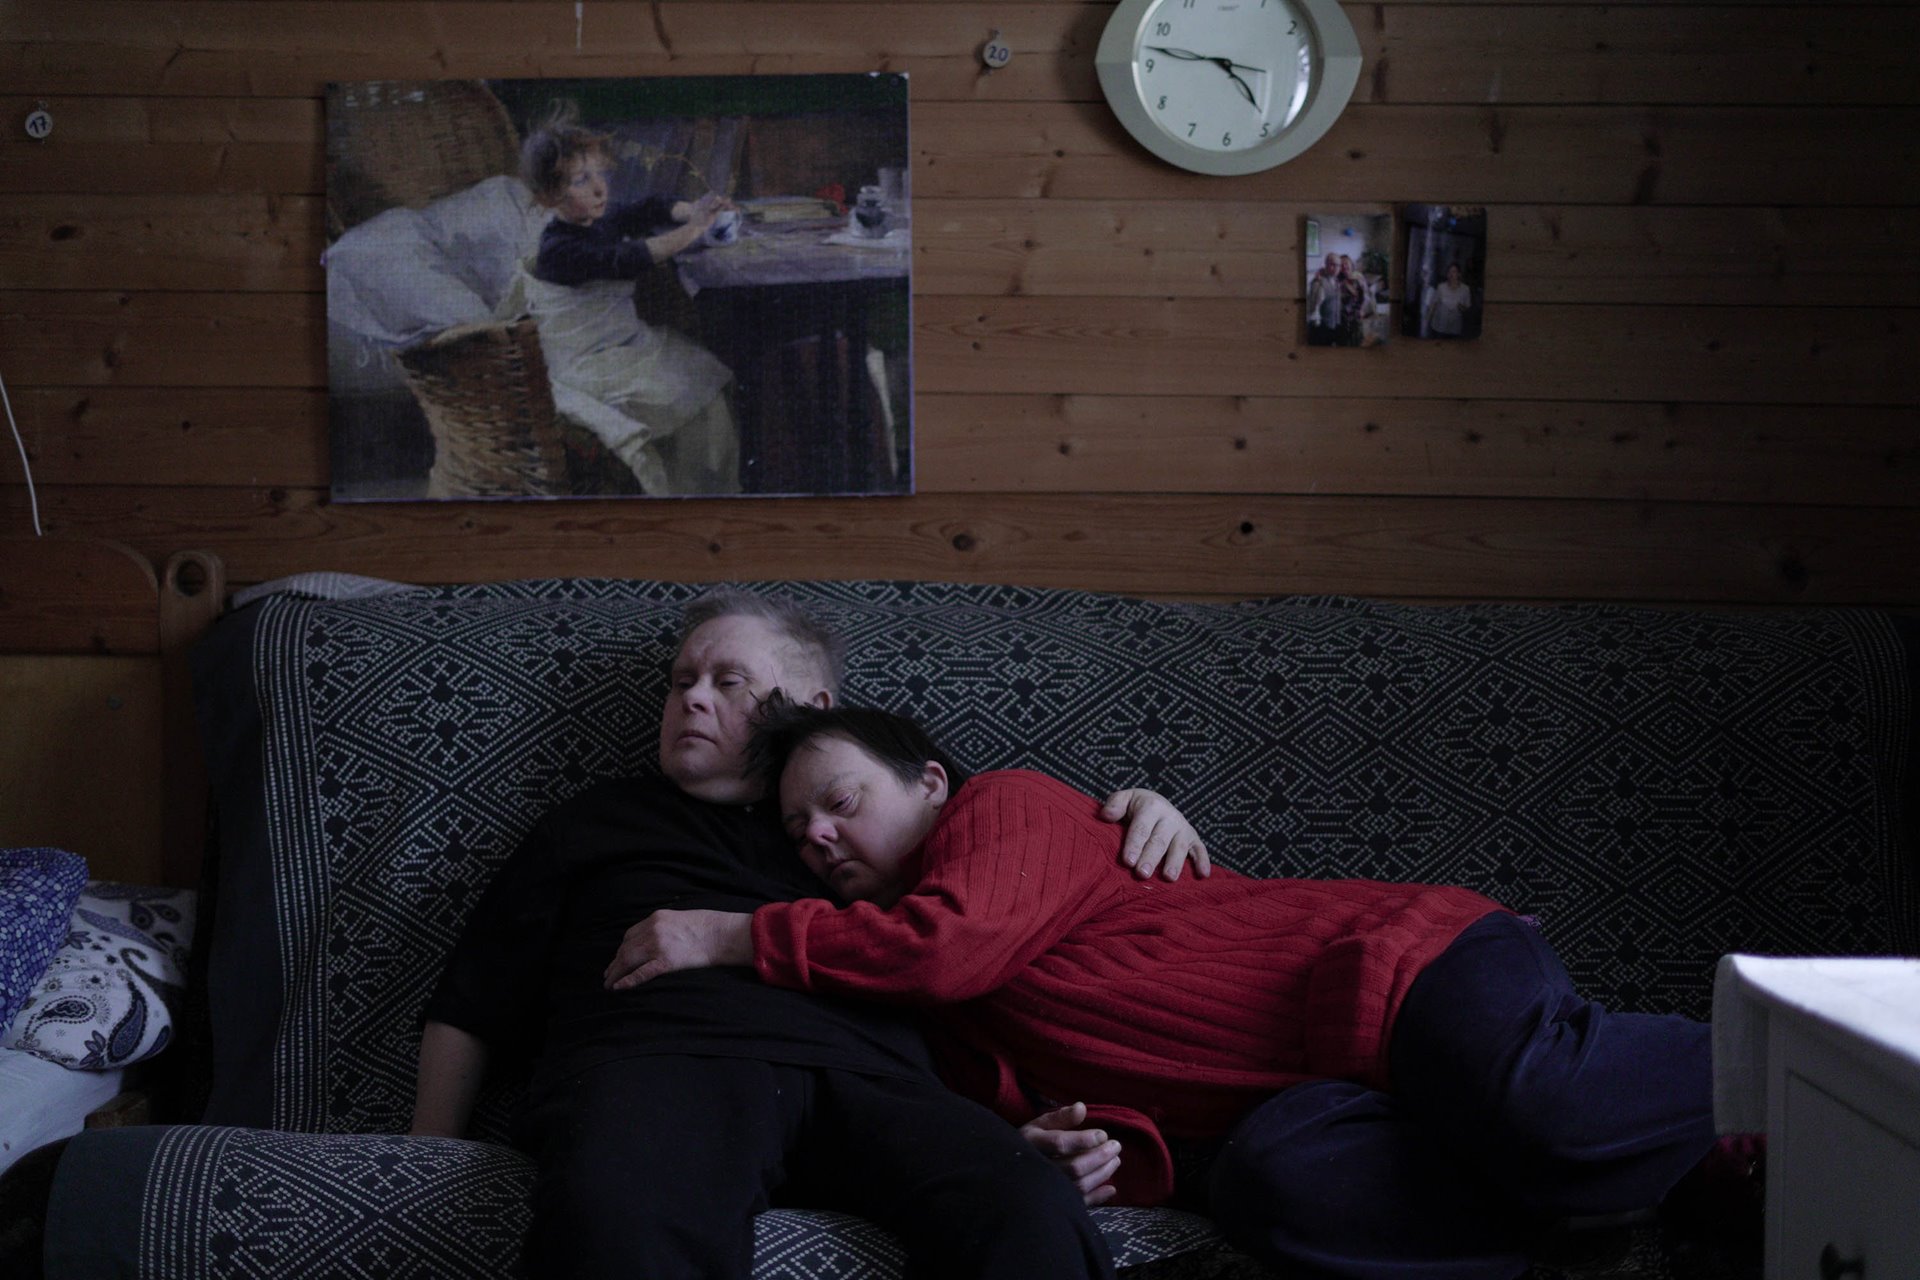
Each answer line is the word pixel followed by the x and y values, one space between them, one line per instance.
pixel 654 1166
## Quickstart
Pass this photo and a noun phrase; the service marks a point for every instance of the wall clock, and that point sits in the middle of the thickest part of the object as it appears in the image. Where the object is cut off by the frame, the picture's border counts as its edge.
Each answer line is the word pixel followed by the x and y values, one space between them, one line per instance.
pixel 1228 86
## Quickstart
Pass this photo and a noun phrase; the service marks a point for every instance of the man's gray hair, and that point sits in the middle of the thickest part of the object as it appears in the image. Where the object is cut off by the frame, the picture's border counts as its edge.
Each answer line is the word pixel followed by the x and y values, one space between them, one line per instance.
pixel 817 642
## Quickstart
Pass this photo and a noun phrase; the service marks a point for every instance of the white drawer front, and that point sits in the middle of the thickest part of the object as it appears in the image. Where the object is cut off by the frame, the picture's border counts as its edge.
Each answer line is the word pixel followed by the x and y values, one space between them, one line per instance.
pixel 1850 1193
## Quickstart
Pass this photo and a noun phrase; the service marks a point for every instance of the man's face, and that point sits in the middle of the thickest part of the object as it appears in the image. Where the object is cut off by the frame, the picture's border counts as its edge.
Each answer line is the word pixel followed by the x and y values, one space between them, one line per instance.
pixel 723 672
pixel 1332 266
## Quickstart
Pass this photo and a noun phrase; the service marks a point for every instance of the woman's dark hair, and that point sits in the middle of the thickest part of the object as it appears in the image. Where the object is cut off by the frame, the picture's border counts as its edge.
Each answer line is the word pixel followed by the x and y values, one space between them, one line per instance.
pixel 895 741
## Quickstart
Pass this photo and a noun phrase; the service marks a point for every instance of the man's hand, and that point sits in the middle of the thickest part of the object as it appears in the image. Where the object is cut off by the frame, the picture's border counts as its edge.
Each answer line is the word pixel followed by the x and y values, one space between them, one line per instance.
pixel 1086 1156
pixel 670 940
pixel 1158 837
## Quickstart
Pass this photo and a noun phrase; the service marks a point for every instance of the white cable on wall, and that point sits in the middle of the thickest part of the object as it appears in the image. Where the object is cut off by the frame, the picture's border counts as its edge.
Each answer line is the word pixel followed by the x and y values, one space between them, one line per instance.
pixel 33 499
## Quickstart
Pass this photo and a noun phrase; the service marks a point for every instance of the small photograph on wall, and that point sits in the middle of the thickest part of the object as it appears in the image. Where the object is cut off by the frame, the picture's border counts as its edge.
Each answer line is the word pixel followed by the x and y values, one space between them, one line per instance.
pixel 663 287
pixel 1349 261
pixel 1446 268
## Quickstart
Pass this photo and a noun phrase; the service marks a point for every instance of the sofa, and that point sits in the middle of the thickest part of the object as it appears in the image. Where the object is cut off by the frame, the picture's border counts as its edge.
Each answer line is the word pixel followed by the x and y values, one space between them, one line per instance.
pixel 1654 787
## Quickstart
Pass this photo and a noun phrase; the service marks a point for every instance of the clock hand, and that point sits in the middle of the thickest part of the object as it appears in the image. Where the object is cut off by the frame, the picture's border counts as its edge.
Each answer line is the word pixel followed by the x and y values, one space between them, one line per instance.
pixel 1189 55
pixel 1245 88
pixel 1225 64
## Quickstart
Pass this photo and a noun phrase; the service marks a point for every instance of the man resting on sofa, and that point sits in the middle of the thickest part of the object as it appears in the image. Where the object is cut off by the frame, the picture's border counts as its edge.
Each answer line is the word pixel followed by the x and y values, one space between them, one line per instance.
pixel 662 1119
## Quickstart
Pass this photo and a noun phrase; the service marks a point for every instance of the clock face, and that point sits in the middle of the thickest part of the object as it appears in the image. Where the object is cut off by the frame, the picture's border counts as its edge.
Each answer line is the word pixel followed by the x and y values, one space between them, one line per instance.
pixel 1228 86
pixel 1223 75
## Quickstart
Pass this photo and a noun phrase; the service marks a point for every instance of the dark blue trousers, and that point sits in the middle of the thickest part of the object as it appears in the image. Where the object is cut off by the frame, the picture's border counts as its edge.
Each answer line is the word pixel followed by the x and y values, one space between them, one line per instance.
pixel 1514 1103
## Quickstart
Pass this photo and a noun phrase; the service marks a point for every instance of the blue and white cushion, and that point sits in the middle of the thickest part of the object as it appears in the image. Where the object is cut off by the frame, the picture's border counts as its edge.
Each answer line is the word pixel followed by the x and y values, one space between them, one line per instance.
pixel 107 998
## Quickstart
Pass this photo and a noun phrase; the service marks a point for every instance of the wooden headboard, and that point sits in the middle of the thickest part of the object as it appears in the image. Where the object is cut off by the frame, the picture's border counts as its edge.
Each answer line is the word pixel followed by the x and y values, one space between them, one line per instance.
pixel 98 752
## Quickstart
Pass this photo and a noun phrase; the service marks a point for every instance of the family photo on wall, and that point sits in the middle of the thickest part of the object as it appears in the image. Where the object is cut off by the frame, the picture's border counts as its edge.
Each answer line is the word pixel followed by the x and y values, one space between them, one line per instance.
pixel 1349 263
pixel 1446 266
pixel 664 287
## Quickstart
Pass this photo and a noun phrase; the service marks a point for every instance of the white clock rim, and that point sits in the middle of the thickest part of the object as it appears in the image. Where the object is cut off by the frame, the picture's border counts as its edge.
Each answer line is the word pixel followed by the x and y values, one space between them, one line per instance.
pixel 1336 74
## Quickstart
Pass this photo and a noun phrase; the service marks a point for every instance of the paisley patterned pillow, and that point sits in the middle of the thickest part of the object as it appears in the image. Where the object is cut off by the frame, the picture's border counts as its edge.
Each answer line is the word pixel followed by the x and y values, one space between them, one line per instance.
pixel 107 999
pixel 37 890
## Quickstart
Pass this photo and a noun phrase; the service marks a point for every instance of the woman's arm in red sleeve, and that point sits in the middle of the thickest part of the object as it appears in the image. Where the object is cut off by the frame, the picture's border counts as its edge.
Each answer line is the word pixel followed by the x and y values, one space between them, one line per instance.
pixel 1015 862
pixel 1146 1166
pixel 988 1076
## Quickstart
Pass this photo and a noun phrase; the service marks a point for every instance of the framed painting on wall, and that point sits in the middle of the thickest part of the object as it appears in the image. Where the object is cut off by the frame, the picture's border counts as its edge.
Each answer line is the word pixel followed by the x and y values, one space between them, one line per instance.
pixel 661 287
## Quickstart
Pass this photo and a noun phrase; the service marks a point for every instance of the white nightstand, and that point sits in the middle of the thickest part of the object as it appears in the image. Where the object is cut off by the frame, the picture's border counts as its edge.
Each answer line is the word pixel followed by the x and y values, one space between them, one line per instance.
pixel 1824 1054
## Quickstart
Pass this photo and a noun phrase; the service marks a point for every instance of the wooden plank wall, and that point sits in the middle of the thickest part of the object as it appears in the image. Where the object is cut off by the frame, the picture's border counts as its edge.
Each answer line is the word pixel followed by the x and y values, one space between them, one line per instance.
pixel 98 752
pixel 1698 381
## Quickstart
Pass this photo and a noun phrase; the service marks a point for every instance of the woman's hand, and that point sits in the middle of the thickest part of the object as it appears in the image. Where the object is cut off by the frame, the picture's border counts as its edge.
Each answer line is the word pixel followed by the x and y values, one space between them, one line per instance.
pixel 1087 1156
pixel 1158 836
pixel 667 941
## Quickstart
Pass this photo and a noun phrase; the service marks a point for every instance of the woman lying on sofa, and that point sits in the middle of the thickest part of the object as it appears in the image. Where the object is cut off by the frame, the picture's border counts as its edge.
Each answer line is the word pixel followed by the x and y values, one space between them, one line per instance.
pixel 1398 1079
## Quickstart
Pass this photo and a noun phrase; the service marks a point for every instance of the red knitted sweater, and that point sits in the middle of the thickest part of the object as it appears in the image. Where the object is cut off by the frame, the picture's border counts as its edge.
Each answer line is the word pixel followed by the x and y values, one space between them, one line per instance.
pixel 1177 1006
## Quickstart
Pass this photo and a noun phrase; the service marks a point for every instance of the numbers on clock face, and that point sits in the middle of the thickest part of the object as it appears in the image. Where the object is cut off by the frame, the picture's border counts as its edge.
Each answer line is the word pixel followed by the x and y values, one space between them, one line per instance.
pixel 1223 74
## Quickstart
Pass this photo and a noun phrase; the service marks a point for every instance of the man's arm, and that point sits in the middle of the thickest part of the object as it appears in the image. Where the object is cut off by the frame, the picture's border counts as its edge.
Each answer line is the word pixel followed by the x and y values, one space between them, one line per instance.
pixel 1158 836
pixel 452 1063
pixel 491 990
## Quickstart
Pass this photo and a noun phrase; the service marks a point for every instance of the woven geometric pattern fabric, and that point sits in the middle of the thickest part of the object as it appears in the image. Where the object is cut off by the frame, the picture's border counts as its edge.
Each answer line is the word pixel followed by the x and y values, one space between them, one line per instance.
pixel 239 1204
pixel 220 1203
pixel 808 1244
pixel 1657 787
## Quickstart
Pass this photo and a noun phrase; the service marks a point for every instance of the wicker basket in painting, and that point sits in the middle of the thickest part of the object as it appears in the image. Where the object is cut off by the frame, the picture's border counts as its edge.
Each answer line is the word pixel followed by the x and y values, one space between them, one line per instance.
pixel 406 143
pixel 489 404
pixel 484 387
